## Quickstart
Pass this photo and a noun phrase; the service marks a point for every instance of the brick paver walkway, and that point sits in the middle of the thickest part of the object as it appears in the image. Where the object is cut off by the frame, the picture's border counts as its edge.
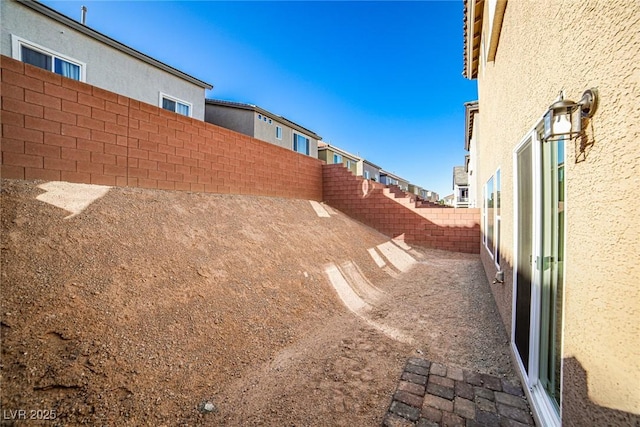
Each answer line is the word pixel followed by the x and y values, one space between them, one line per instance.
pixel 431 394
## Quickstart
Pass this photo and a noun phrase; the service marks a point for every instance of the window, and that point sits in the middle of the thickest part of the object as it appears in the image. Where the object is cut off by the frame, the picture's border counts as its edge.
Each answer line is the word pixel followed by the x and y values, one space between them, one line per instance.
pixel 464 194
pixel 259 116
pixel 47 59
pixel 174 104
pixel 348 164
pixel 278 132
pixel 367 175
pixel 491 217
pixel 337 158
pixel 489 220
pixel 300 144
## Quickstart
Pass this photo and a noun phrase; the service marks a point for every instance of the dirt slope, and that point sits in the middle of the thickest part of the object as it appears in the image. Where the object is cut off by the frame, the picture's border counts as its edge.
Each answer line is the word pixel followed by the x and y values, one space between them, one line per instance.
pixel 148 304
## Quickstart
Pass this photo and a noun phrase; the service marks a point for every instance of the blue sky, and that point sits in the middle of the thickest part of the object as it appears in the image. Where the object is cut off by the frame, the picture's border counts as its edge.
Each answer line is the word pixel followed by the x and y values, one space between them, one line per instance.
pixel 378 79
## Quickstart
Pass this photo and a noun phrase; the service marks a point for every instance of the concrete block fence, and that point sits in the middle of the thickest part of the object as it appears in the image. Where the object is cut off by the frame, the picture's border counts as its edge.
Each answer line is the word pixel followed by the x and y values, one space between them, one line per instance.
pixel 379 207
pixel 54 128
pixel 58 129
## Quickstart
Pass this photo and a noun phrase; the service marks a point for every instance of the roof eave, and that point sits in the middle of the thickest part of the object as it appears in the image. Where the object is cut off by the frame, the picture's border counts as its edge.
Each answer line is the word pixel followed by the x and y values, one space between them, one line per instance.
pixel 65 20
pixel 340 151
pixel 473 10
pixel 257 109
pixel 393 176
pixel 372 164
pixel 471 109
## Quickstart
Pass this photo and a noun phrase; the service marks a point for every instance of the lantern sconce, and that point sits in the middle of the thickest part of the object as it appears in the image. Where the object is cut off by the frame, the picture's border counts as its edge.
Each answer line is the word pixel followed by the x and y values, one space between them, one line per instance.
pixel 564 118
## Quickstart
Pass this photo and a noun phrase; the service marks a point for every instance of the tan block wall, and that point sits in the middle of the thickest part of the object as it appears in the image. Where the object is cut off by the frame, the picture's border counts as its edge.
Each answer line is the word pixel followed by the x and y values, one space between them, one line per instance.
pixel 546 46
pixel 54 128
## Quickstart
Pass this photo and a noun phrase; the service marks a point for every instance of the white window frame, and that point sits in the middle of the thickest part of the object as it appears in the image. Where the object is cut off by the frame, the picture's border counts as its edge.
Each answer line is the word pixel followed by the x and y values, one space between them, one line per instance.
pixel 537 397
pixel 337 158
pixel 293 143
pixel 367 175
pixel 16 52
pixel 176 100
pixel 484 215
pixel 487 219
pixel 495 220
pixel 279 132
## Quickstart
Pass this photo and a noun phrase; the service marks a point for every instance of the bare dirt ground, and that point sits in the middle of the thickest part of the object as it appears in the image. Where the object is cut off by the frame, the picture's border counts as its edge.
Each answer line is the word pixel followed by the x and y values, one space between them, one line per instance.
pixel 174 308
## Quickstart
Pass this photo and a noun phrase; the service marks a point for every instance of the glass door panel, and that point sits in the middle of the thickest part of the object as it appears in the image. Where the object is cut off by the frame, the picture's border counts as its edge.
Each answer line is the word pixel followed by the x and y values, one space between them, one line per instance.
pixel 552 247
pixel 524 275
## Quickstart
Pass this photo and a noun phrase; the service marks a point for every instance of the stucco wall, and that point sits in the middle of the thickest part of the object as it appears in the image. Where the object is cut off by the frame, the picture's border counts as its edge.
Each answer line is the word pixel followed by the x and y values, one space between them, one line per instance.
pixel 246 121
pixel 107 68
pixel 267 131
pixel 236 119
pixel 373 171
pixel 544 47
pixel 349 163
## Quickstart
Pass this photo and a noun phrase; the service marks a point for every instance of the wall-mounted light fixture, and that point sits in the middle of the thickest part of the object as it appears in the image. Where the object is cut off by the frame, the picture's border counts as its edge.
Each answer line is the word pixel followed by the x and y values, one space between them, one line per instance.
pixel 564 118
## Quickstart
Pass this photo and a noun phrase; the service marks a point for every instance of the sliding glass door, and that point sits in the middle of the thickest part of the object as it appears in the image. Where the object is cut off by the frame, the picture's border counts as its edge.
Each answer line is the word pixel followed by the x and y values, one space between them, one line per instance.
pixel 539 269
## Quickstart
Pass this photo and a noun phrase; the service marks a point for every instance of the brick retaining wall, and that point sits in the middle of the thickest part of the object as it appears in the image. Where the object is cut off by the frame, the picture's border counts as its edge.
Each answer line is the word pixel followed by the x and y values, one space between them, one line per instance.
pixel 373 204
pixel 54 128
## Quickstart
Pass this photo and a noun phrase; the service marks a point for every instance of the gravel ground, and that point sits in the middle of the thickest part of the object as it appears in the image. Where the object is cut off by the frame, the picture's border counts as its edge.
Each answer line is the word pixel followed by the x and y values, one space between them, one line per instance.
pixel 152 307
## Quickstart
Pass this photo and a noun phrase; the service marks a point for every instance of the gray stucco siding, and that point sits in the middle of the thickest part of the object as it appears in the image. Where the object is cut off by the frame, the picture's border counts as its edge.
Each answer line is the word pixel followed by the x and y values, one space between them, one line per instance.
pixel 236 119
pixel 265 131
pixel 374 173
pixel 106 67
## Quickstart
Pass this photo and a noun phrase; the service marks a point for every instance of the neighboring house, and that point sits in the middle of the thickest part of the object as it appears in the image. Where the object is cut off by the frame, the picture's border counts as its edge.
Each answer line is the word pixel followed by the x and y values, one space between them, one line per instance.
pixel 36 34
pixel 368 170
pixel 261 124
pixel 449 200
pixel 431 196
pixel 424 194
pixel 472 118
pixel 567 288
pixel 388 178
pixel 416 190
pixel 333 155
pixel 460 187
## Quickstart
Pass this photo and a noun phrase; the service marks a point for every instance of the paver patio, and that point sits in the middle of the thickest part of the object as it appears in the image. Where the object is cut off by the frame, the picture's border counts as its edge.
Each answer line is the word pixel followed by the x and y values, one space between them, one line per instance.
pixel 432 394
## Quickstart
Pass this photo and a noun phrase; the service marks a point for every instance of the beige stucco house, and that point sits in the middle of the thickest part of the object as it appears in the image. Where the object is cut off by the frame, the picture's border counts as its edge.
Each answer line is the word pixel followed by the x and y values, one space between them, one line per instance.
pixel 560 216
pixel 333 155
